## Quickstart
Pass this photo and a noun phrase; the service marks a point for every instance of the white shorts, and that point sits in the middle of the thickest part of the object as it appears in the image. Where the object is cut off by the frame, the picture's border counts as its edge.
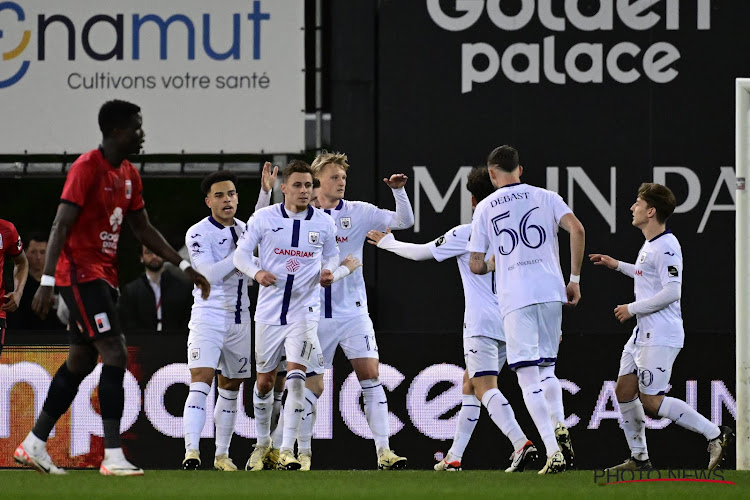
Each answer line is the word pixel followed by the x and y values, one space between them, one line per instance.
pixel 532 334
pixel 224 348
pixel 483 356
pixel 297 340
pixel 652 364
pixel 356 336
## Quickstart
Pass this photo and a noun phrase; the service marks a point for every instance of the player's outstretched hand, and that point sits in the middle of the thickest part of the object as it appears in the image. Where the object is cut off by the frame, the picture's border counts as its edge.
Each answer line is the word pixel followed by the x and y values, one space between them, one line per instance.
pixel 396 181
pixel 374 237
pixel 200 281
pixel 351 263
pixel 42 301
pixel 12 300
pixel 622 314
pixel 604 260
pixel 326 278
pixel 268 177
pixel 264 278
pixel 573 291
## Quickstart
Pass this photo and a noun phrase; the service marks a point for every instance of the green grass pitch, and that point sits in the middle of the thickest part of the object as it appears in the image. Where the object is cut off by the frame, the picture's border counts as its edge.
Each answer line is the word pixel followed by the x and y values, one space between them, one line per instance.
pixel 395 485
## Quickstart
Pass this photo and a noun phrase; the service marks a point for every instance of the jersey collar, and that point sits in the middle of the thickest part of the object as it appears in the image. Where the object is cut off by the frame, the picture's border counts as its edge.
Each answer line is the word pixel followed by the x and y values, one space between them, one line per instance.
pixel 217 223
pixel 337 207
pixel 668 231
pixel 310 211
pixel 510 185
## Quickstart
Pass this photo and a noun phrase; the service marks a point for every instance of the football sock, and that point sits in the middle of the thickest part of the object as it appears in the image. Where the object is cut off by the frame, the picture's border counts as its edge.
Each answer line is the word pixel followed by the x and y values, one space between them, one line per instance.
pixel 278 433
pixel 553 394
pixel 194 414
pixel 62 391
pixel 376 411
pixel 533 395
pixel 111 402
pixel 634 425
pixel 277 397
pixel 683 415
pixel 262 406
pixel 294 407
pixel 225 416
pixel 308 421
pixel 467 420
pixel 502 414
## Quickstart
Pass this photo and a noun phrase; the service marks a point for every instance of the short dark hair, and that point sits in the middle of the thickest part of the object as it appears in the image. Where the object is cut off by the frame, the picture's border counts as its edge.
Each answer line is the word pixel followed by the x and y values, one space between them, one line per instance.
pixel 316 183
pixel 659 197
pixel 37 236
pixel 504 157
pixel 479 183
pixel 296 167
pixel 218 176
pixel 115 114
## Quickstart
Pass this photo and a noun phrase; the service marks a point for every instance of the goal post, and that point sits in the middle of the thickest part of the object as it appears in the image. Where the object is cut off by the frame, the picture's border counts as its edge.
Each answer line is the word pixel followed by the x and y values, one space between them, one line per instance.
pixel 742 271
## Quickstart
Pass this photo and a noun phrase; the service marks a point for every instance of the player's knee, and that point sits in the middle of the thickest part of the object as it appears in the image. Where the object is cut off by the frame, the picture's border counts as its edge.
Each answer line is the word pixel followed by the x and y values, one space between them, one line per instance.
pixel 229 384
pixel 113 351
pixel 315 384
pixel 651 405
pixel 467 387
pixel 264 384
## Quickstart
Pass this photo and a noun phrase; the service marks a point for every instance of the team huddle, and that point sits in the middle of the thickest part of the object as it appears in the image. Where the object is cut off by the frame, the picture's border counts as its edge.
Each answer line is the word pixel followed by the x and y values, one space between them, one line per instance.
pixel 305 253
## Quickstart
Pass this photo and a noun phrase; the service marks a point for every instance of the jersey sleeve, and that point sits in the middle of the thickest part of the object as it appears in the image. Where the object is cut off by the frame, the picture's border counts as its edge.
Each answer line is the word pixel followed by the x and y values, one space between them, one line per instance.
pixel 78 183
pixel 378 218
pixel 136 200
pixel 479 241
pixel 202 258
pixel 15 245
pixel 451 244
pixel 330 257
pixel 559 207
pixel 251 237
pixel 669 265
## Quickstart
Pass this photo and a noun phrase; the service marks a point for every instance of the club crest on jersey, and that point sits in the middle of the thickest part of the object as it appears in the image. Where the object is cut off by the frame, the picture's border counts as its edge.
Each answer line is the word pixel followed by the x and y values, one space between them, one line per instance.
pixel 195 354
pixel 345 222
pixel 115 220
pixel 313 237
pixel 128 189
pixel 642 257
pixel 292 265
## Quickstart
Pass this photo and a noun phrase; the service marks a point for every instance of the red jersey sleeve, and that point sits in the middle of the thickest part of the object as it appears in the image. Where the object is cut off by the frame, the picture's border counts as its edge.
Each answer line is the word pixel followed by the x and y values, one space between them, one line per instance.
pixel 81 177
pixel 136 200
pixel 15 246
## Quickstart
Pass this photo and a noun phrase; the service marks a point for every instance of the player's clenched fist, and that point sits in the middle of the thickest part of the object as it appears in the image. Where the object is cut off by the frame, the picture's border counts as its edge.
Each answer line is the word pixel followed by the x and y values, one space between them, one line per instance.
pixel 326 278
pixel 265 278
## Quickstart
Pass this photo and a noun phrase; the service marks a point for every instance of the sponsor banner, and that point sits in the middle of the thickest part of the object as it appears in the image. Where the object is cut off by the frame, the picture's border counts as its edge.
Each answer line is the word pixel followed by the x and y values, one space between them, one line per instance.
pixel 209 77
pixel 424 396
pixel 597 97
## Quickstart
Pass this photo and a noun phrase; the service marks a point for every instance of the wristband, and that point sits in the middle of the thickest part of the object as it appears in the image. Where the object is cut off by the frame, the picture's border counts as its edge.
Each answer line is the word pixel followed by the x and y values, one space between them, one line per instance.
pixel 184 265
pixel 47 280
pixel 575 278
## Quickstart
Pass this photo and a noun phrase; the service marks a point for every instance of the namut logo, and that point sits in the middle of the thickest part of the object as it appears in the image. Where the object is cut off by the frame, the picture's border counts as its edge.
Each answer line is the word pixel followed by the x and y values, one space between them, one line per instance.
pixel 133 35
pixel 623 62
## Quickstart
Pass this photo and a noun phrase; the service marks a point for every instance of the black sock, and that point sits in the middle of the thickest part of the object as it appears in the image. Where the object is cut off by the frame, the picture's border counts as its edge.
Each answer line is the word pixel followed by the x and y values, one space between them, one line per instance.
pixel 111 402
pixel 62 391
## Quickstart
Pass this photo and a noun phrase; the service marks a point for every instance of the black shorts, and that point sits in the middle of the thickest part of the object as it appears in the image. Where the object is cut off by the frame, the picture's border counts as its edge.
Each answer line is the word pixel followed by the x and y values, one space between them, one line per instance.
pixel 2 334
pixel 93 311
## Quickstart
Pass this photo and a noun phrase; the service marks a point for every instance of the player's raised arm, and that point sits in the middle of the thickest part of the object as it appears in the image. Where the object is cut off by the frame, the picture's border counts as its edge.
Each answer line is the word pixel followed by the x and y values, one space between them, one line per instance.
pixel 153 239
pixel 267 183
pixel 403 218
pixel 66 215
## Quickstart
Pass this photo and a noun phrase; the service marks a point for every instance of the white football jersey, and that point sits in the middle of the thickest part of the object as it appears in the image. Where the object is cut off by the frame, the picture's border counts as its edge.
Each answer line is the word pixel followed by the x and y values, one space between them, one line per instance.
pixel 348 297
pixel 210 242
pixel 481 312
pixel 659 262
pixel 518 225
pixel 293 248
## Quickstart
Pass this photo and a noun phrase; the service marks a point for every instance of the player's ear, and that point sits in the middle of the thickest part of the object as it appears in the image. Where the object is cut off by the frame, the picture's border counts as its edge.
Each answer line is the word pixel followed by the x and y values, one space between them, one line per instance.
pixel 520 170
pixel 207 203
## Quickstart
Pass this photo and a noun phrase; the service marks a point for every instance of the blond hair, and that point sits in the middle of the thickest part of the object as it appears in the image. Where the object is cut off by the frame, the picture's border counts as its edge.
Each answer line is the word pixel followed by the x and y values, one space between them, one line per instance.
pixel 325 158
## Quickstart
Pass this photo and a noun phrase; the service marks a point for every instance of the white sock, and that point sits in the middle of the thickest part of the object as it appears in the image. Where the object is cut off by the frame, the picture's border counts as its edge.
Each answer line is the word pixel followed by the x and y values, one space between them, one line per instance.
pixel 376 411
pixel 634 426
pixel 304 441
pixel 553 394
pixel 277 397
pixel 194 414
pixel 225 415
pixel 294 407
pixel 502 414
pixel 262 405
pixel 277 435
pixel 467 420
pixel 683 415
pixel 533 395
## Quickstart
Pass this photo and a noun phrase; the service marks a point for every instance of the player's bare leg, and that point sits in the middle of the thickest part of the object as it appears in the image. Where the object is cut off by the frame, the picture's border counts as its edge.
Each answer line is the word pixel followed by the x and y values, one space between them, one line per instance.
pixel 225 417
pixel 376 411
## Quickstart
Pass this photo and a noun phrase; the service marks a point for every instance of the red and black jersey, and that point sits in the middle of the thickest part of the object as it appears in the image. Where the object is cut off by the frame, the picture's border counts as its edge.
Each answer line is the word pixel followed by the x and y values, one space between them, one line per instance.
pixel 105 195
pixel 10 244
